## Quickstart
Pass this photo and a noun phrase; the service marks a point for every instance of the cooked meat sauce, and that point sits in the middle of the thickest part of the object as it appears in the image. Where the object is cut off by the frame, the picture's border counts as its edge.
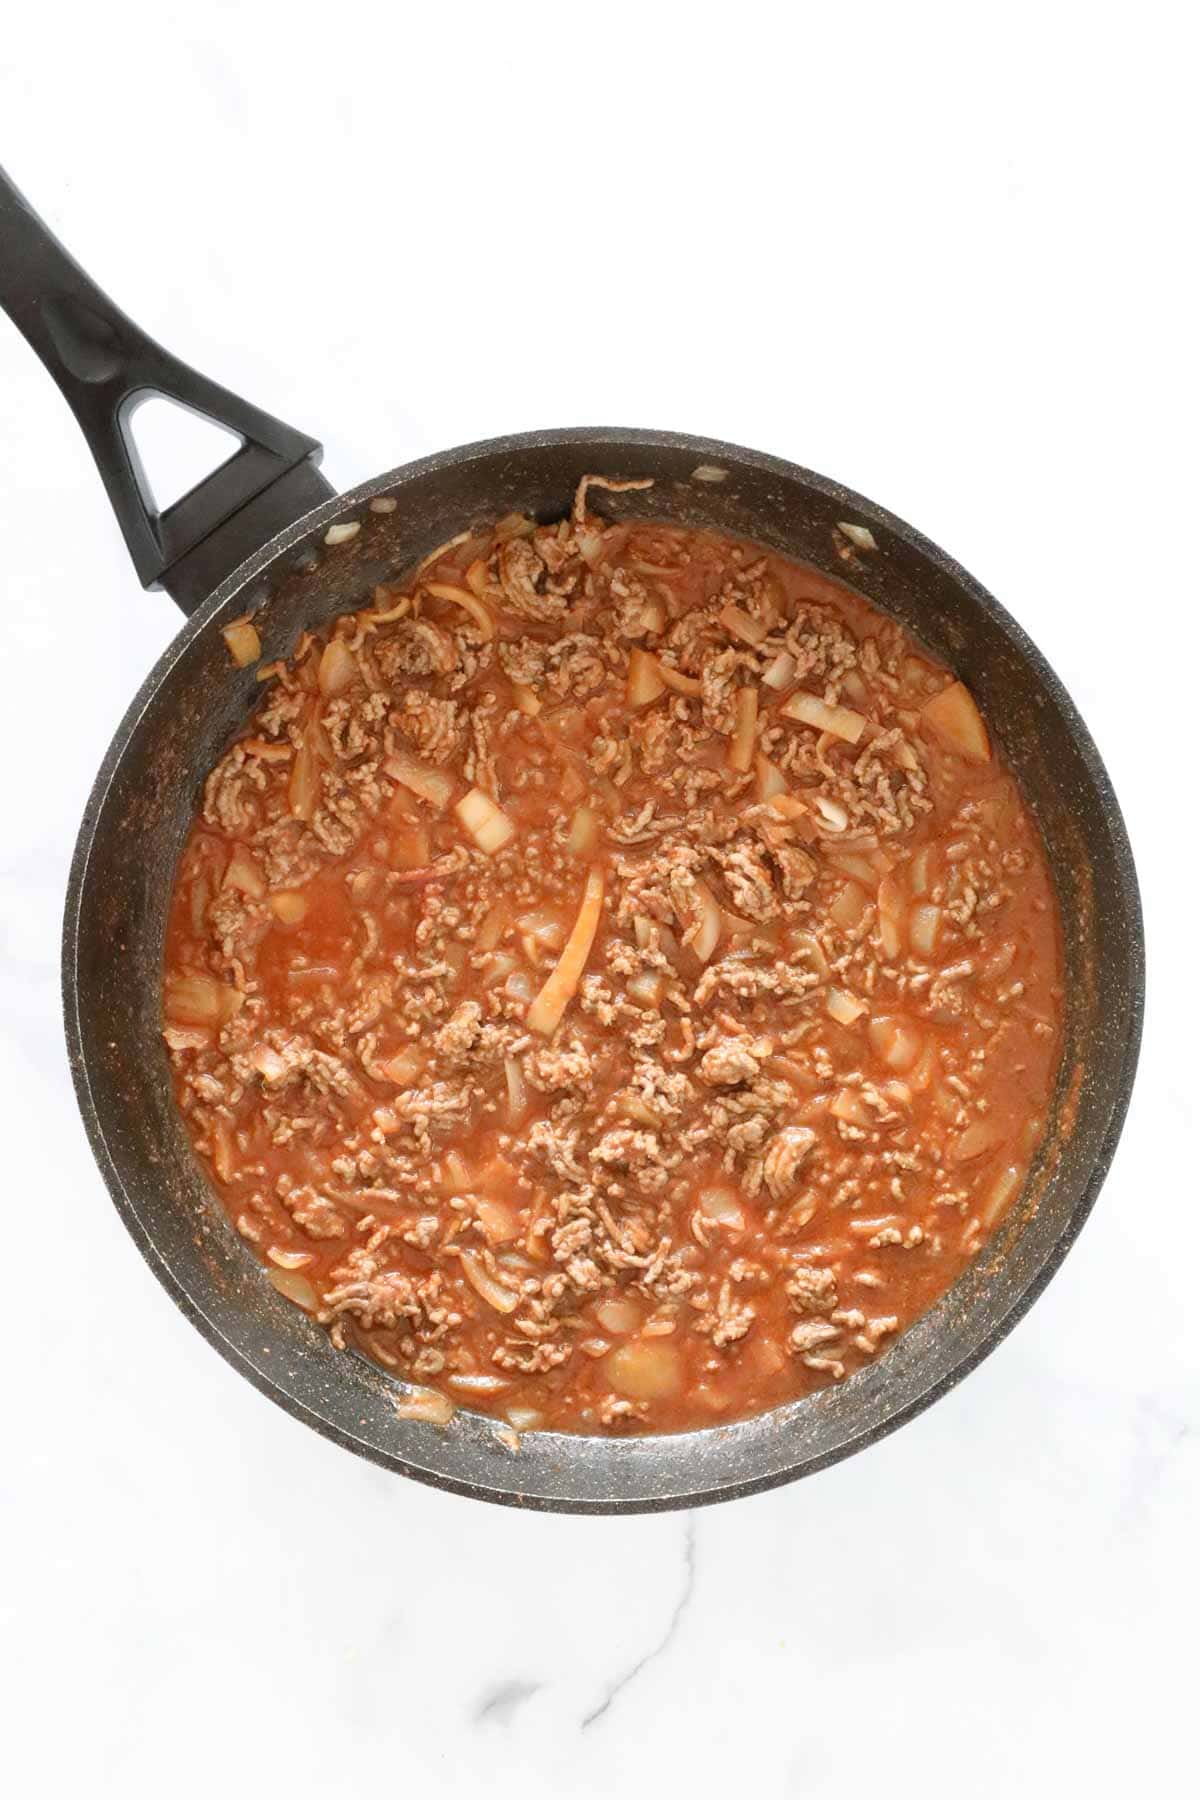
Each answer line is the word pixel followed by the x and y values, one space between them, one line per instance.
pixel 613 980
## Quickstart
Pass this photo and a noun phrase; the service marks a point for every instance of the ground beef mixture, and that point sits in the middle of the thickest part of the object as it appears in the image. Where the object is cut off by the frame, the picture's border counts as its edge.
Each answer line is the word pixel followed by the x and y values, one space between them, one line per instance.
pixel 612 980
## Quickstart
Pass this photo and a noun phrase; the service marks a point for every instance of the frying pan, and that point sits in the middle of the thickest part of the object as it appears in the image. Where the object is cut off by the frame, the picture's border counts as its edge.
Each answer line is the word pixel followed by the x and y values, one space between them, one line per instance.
pixel 252 538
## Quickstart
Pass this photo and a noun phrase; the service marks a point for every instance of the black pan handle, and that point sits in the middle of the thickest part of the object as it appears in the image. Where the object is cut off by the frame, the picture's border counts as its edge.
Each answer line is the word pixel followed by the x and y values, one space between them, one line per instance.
pixel 105 366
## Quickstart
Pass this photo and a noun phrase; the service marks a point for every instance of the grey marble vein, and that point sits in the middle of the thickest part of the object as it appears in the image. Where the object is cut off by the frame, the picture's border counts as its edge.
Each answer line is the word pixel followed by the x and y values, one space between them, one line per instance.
pixel 681 1605
pixel 500 1704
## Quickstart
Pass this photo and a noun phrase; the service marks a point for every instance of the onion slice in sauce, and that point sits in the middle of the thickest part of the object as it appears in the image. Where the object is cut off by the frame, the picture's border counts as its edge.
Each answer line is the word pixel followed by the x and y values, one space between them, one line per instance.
pixel 550 1005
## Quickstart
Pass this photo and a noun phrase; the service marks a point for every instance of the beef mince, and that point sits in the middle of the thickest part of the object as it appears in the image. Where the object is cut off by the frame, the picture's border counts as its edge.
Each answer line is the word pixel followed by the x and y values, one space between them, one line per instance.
pixel 613 980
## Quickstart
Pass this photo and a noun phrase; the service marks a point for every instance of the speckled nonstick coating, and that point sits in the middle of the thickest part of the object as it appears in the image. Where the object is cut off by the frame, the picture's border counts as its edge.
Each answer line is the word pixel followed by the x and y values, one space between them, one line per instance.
pixel 148 790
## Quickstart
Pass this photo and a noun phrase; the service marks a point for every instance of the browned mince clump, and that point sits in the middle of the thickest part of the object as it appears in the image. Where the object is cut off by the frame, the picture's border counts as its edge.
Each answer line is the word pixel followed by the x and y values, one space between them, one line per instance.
pixel 612 981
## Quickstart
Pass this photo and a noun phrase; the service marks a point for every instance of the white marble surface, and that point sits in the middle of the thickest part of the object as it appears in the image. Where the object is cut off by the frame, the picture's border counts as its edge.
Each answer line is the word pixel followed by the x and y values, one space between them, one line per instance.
pixel 941 253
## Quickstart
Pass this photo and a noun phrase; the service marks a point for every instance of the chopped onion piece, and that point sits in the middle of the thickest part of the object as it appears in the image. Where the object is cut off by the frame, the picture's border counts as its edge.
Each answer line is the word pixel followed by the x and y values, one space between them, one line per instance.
pixel 478 1384
pixel 523 1418
pixel 526 700
pixel 305 779
pixel 647 990
pixel 433 785
pixel 343 532
pixel 859 535
pixel 979 1136
pixel 891 917
pixel 771 780
pixel 493 927
pixel 514 1080
pixel 722 1207
pixel 619 1315
pixel 498 1221
pixel 847 909
pixel 645 1370
pixel 245 645
pixel 919 872
pixel 470 603
pixel 383 503
pixel 844 1007
pixel 289 907
pixel 839 721
pixel 923 931
pixel 405 1067
pixel 337 668
pixel 645 682
pixel 550 1005
pixel 704 936
pixel 500 1298
pixel 833 815
pixel 289 1259
pixel 741 625
pixel 895 1042
pixel 296 1288
pixel 954 719
pixel 491 828
pixel 849 1106
pixel 581 837
pixel 410 848
pixel 201 1000
pixel 1001 1196
pixel 245 875
pixel 778 674
pixel 270 1065
pixel 745 724
pixel 425 1405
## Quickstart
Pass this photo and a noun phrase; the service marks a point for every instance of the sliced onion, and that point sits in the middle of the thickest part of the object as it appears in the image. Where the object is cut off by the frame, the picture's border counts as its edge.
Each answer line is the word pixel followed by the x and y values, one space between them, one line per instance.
pixel 201 1000
pixel 847 909
pixel 770 778
pixel 843 1006
pixel 923 930
pixel 645 680
pixel 980 1136
pixel 897 1042
pixel 891 917
pixel 741 625
pixel 245 645
pixel 433 785
pixel 745 716
pixel 244 874
pixel 425 1405
pixel 839 721
pixel 954 719
pixel 289 907
pixel 470 603
pixel 493 926
pixel 514 1080
pixel 619 1315
pixel 296 1288
pixel 581 837
pixel 289 1259
pixel 721 1207
pixel 1001 1196
pixel 779 673
pixel 500 1298
pixel 646 1370
pixel 546 1011
pixel 337 668
pixel 479 815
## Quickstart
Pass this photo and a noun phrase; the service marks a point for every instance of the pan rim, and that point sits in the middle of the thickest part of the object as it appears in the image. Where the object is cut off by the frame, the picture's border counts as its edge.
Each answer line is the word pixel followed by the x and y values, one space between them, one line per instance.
pixel 1117 1099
